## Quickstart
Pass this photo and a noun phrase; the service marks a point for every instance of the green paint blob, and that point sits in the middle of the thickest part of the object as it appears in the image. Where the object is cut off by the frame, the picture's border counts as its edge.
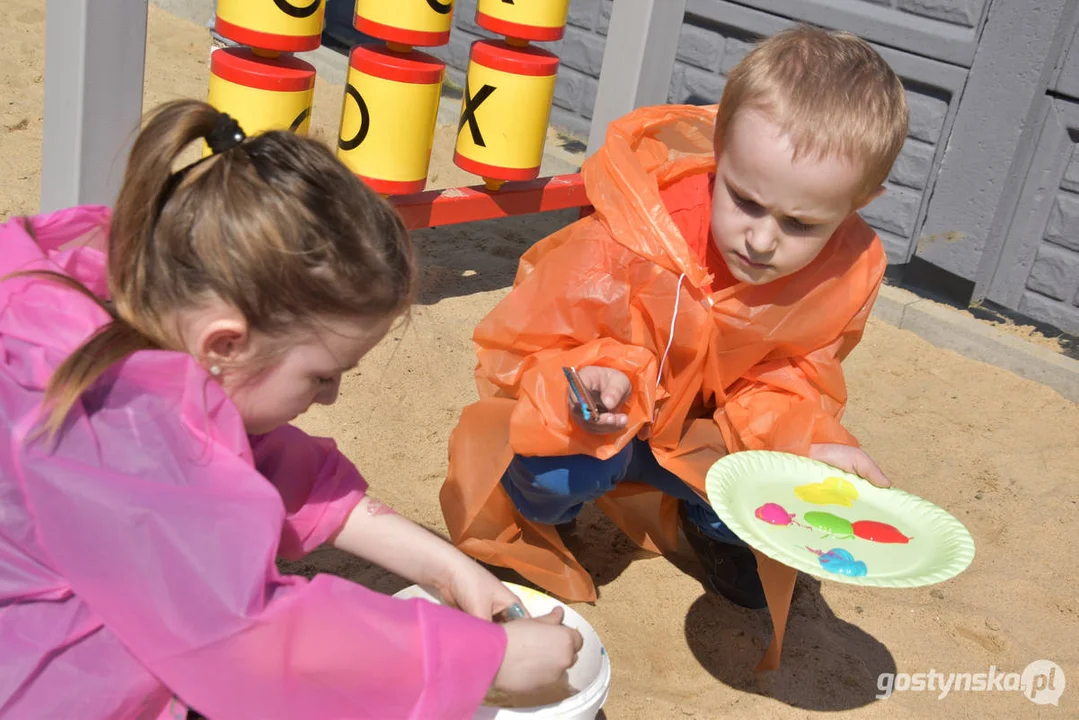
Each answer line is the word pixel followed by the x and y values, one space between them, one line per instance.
pixel 831 524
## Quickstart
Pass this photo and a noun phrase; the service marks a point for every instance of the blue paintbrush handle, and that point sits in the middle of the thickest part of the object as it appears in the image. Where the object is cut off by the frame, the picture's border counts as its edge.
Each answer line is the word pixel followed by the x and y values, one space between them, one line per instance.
pixel 578 393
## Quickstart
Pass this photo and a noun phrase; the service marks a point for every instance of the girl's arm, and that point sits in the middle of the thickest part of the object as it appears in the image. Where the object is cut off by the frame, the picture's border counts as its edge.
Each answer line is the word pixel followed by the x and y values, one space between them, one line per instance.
pixel 377 534
pixel 325 500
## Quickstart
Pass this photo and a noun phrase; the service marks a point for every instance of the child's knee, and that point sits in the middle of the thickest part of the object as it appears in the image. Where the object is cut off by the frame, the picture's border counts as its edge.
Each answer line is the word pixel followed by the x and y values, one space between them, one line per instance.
pixel 551 490
pixel 575 476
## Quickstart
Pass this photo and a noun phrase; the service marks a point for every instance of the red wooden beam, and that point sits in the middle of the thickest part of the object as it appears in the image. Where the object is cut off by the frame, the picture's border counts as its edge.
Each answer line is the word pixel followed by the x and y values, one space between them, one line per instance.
pixel 469 204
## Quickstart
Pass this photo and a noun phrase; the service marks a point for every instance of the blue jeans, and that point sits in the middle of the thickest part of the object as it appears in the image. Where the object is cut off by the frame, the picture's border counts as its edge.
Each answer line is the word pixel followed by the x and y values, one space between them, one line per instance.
pixel 552 490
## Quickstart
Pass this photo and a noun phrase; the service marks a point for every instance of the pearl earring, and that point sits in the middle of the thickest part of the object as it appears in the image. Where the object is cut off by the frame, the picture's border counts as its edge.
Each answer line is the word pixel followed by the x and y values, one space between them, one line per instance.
pixel 215 370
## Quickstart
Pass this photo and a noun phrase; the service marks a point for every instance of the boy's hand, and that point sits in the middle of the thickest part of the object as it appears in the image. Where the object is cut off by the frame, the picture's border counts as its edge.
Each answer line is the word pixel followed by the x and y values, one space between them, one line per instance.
pixel 611 388
pixel 852 459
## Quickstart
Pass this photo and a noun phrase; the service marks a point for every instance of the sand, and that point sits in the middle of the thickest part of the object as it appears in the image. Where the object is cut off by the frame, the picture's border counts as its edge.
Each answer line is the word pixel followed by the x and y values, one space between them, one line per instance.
pixel 998 451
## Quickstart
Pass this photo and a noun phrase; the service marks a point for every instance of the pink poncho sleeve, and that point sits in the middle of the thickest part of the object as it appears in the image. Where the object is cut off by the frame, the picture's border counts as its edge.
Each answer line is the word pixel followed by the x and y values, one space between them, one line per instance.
pixel 152 509
pixel 319 485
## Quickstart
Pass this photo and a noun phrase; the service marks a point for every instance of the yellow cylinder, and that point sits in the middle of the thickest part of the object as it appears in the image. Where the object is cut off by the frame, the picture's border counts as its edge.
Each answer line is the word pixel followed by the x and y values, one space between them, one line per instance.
pixel 425 23
pixel 389 115
pixel 535 20
pixel 505 111
pixel 262 93
pixel 282 25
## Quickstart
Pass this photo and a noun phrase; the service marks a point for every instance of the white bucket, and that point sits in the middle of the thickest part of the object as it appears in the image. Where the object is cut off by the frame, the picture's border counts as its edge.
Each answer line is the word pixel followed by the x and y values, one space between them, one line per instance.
pixel 591 672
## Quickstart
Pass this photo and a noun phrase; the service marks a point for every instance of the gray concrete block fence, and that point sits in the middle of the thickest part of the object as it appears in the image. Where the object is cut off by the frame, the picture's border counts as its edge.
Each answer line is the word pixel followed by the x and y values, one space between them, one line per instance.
pixel 986 187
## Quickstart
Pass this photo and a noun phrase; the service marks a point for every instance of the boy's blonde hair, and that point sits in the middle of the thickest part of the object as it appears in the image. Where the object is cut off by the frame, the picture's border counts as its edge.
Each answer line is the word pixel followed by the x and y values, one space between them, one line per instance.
pixel 829 91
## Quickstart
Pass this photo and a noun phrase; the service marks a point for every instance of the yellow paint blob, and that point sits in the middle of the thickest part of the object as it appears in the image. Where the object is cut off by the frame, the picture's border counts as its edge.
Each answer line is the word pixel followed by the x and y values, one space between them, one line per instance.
pixel 831 491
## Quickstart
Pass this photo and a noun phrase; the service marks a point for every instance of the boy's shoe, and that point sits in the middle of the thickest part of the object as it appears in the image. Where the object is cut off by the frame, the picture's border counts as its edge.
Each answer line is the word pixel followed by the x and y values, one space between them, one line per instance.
pixel 729 570
pixel 567 528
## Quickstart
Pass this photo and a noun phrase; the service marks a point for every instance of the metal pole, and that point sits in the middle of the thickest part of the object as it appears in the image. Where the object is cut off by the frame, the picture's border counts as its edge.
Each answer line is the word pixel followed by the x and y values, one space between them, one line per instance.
pixel 638 61
pixel 93 98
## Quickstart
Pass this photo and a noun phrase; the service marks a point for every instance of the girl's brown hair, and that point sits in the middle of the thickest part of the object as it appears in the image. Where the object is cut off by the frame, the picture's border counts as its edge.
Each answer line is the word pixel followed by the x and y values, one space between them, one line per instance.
pixel 276 227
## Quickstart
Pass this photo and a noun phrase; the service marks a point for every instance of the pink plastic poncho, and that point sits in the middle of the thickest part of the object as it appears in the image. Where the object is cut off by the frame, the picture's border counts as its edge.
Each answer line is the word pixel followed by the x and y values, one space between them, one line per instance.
pixel 137 558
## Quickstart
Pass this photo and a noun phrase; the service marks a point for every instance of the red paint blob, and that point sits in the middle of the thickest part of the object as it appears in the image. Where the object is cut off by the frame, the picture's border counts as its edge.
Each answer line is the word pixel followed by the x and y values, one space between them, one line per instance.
pixel 878 532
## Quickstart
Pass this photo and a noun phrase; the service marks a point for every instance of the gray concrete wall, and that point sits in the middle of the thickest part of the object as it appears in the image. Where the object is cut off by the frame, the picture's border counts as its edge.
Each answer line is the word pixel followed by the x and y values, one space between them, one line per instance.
pixel 1051 291
pixel 1001 217
pixel 1036 271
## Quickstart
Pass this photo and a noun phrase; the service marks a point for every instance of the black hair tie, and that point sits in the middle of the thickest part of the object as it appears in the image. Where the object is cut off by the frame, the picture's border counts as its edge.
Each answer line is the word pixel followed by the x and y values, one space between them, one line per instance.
pixel 226 134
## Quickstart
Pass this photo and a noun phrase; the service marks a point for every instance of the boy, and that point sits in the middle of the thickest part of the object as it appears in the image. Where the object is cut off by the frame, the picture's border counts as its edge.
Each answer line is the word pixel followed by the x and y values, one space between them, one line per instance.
pixel 707 303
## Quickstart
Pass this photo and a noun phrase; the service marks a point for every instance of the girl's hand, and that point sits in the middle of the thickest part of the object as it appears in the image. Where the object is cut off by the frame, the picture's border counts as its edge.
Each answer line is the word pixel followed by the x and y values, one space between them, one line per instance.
pixel 611 388
pixel 538 652
pixel 471 588
pixel 852 459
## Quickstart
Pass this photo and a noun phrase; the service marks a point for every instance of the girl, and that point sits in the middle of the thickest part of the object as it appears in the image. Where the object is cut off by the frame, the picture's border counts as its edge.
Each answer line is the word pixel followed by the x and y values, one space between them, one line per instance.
pixel 150 476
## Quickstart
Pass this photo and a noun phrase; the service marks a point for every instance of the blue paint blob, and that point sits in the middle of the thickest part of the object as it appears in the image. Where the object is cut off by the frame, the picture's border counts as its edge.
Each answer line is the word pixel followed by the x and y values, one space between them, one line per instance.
pixel 841 562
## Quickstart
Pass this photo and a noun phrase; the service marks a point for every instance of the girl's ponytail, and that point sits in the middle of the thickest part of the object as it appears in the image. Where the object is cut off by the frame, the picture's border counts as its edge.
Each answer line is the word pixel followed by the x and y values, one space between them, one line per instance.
pixel 148 181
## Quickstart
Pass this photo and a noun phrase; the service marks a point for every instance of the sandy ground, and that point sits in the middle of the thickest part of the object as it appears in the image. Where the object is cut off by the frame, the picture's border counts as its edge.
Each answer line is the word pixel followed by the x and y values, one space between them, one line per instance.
pixel 998 451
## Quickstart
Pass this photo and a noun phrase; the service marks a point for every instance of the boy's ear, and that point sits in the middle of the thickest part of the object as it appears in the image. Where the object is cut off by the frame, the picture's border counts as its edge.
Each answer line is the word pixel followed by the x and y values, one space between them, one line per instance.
pixel 870 198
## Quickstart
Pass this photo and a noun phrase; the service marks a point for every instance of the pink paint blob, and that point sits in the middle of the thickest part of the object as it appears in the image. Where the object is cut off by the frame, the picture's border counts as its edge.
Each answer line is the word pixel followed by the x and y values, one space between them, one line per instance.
pixel 878 532
pixel 774 514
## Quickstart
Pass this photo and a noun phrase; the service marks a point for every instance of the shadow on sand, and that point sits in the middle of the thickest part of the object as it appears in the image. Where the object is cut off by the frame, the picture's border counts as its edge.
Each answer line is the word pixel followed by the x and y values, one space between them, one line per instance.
pixel 828 664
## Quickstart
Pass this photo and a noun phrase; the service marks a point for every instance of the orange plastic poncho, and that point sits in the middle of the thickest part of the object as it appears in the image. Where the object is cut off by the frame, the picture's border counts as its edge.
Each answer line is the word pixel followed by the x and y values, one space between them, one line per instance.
pixel 749 367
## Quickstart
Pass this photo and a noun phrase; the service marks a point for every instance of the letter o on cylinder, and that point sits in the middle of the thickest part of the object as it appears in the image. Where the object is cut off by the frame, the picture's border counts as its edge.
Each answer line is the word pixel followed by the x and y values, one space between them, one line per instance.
pixel 275 25
pixel 262 93
pixel 389 115
pixel 425 23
